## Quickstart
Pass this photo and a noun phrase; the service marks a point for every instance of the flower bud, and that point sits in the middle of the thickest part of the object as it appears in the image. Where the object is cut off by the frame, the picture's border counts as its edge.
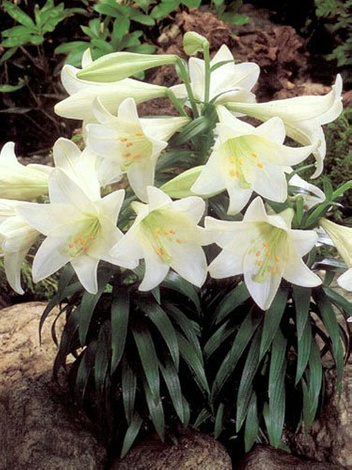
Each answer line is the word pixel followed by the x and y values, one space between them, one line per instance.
pixel 194 42
pixel 342 238
pixel 119 65
pixel 180 186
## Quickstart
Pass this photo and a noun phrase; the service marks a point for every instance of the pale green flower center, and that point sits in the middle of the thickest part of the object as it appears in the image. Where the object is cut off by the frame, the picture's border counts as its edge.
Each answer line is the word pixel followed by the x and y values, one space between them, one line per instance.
pixel 239 155
pixel 268 252
pixel 135 147
pixel 80 243
pixel 162 234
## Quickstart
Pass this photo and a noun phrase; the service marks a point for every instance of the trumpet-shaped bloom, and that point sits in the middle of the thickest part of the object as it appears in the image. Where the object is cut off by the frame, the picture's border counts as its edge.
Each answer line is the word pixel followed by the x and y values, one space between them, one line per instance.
pixel 16 238
pixel 165 233
pixel 303 117
pixel 265 249
pixel 132 142
pixel 83 93
pixel 229 82
pixel 77 229
pixel 312 195
pixel 246 159
pixel 18 181
pixel 342 239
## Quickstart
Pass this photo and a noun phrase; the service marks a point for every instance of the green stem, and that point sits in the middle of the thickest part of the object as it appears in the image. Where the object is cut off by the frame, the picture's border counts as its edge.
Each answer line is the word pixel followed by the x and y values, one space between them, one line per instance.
pixel 206 73
pixel 176 103
pixel 184 77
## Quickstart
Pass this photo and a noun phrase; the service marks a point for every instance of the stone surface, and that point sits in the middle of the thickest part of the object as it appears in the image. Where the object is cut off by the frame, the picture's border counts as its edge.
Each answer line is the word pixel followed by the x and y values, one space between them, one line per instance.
pixel 39 429
pixel 194 451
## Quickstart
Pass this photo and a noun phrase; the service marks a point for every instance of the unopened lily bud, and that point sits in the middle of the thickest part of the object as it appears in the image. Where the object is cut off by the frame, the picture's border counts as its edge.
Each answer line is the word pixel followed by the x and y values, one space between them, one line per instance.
pixel 342 238
pixel 194 42
pixel 180 186
pixel 119 65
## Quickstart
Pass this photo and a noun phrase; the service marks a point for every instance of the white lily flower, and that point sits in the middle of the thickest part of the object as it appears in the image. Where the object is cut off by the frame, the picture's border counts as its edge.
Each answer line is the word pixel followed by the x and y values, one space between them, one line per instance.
pixel 21 182
pixel 246 159
pixel 345 280
pixel 132 142
pixel 229 82
pixel 265 249
pixel 341 237
pixel 165 233
pixel 312 195
pixel 16 238
pixel 77 229
pixel 303 117
pixel 83 92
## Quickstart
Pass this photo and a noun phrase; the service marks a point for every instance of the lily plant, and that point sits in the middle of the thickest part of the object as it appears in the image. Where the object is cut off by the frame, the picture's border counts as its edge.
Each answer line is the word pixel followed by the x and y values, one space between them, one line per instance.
pixel 192 272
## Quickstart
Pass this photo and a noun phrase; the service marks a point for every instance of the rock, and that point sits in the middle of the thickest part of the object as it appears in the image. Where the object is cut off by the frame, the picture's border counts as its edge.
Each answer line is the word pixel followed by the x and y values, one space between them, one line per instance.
pixel 268 458
pixel 194 451
pixel 39 428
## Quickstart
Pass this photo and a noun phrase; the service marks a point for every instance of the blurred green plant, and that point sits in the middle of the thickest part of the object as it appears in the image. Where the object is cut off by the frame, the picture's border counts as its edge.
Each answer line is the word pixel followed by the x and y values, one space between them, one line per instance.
pixel 229 11
pixel 337 19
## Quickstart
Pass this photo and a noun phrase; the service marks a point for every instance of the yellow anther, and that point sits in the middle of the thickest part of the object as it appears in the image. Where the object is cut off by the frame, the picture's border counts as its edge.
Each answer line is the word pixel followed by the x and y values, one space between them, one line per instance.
pixel 136 157
pixel 258 253
pixel 123 139
pixel 165 232
pixel 139 134
pixel 233 173
pixel 254 155
pixel 127 155
pixel 232 159
pixel 266 244
pixel 277 258
pixel 172 232
pixel 178 241
pixel 240 161
pixel 260 165
pixel 258 262
pixel 273 270
pixel 268 254
pixel 129 144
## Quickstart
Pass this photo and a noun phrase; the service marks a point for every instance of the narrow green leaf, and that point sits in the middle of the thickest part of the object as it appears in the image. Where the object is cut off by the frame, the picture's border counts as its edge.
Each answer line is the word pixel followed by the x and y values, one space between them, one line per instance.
pixel 176 283
pixel 246 383
pixel 304 345
pixel 67 339
pixel 241 341
pixel 199 125
pixel 148 357
pixel 329 319
pixel 341 302
pixel 102 358
pixel 202 417
pixel 311 387
pixel 186 412
pixel 301 297
pixel 89 302
pixel 120 312
pixel 218 338
pixel 131 434
pixel 160 319
pixel 277 397
pixel 156 411
pixel 190 328
pixel 219 421
pixel 129 389
pixel 231 301
pixel 173 385
pixel 252 424
pixel 190 356
pixel 272 319
pixel 85 367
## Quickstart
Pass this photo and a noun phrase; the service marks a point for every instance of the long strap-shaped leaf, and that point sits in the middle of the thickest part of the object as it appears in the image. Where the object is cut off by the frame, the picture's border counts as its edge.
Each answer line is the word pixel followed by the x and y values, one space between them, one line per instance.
pixel 129 389
pixel 120 312
pixel 311 387
pixel 156 411
pixel 302 299
pixel 172 381
pixel 131 434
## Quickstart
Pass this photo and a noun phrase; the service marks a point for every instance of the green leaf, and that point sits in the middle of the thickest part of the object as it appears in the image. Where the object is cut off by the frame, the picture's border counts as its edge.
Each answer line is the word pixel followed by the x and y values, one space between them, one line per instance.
pixel 12 88
pixel 241 341
pixel 277 397
pixel 219 421
pixel 138 17
pixel 329 319
pixel 131 434
pixel 19 15
pixel 252 424
pixel 272 319
pixel 160 319
pixel 311 387
pixel 301 297
pixel 164 8
pixel 192 3
pixel 102 359
pixel 85 368
pixel 120 312
pixel 68 335
pixel 129 389
pixel 89 302
pixel 231 301
pixel 341 302
pixel 156 411
pixel 190 355
pixel 173 385
pixel 190 328
pixel 176 283
pixel 6 56
pixel 218 338
pixel 148 357
pixel 246 384
pixel 304 345
pixel 202 417
pixel 197 126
